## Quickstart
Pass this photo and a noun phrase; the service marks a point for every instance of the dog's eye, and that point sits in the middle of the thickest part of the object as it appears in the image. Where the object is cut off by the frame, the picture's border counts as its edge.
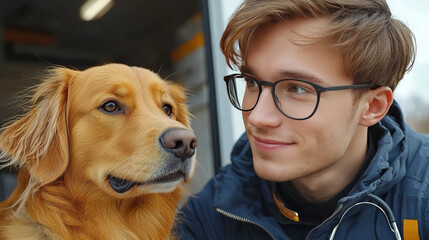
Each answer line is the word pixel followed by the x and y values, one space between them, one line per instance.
pixel 168 109
pixel 110 107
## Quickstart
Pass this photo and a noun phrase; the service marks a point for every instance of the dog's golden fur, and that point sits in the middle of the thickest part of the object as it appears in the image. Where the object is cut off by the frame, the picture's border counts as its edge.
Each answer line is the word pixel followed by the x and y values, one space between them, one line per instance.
pixel 73 139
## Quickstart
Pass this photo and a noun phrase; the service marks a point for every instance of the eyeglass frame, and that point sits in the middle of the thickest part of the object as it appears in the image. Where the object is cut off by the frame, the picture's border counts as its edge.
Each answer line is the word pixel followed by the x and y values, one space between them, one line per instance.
pixel 319 89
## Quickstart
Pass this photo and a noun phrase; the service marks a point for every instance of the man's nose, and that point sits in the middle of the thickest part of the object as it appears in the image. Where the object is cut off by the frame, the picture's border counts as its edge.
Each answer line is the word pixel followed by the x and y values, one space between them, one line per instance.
pixel 265 112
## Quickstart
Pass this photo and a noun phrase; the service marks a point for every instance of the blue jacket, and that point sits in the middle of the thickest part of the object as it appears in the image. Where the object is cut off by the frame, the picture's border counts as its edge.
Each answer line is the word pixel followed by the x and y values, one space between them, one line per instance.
pixel 237 204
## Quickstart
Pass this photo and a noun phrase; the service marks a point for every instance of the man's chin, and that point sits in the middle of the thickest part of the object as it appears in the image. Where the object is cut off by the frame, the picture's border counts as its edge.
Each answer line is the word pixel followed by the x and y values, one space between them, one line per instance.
pixel 270 174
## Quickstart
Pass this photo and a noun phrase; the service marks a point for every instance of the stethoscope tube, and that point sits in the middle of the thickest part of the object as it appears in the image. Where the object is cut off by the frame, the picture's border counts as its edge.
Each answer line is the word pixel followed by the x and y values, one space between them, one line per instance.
pixel 382 206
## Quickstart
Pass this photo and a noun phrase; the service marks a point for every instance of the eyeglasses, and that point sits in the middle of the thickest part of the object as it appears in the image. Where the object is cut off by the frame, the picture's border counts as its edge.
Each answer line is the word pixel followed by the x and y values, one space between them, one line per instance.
pixel 296 99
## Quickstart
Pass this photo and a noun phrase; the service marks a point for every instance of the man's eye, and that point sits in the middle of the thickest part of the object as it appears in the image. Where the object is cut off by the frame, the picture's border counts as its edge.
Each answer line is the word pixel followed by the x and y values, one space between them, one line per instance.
pixel 168 109
pixel 297 89
pixel 110 107
pixel 250 83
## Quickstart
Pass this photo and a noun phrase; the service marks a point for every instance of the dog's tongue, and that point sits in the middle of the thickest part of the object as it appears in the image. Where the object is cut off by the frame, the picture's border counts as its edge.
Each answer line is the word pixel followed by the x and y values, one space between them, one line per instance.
pixel 120 185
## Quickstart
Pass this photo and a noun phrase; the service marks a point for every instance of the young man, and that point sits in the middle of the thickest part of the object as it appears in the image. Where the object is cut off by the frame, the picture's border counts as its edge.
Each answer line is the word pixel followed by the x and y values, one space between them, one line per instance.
pixel 326 152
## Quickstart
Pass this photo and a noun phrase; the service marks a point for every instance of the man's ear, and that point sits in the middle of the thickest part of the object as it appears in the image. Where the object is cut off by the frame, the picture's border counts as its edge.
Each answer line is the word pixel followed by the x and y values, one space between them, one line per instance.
pixel 378 102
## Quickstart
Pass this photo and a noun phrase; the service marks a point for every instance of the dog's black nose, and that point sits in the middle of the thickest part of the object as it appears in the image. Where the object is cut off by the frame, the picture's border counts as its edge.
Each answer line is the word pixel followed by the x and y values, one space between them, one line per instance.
pixel 179 141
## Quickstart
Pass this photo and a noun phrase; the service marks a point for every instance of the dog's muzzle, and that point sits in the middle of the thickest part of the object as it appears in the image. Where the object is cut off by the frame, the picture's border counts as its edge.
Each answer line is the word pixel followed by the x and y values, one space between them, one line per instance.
pixel 181 144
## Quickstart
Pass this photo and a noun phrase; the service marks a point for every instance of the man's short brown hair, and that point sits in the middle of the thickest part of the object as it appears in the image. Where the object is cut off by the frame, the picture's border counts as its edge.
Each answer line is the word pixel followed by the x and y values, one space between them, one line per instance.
pixel 375 47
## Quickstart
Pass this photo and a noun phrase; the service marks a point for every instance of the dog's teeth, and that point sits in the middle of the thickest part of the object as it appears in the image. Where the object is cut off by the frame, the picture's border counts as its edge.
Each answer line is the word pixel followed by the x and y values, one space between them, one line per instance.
pixel 120 185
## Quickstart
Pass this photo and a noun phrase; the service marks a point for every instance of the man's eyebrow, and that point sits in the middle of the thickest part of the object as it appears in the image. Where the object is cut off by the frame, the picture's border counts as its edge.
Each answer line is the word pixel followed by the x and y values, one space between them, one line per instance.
pixel 246 69
pixel 301 75
pixel 295 74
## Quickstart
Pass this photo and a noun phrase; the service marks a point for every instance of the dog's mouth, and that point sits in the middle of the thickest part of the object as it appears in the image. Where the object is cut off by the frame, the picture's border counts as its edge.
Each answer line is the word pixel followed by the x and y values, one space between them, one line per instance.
pixel 121 185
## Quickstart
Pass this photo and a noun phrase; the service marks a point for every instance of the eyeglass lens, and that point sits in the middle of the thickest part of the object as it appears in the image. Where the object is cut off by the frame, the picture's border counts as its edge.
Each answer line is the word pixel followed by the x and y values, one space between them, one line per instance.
pixel 294 98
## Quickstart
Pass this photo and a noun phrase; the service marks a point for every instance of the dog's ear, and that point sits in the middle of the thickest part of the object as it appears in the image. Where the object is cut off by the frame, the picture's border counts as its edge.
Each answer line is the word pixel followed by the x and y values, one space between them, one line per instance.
pixel 38 141
pixel 178 94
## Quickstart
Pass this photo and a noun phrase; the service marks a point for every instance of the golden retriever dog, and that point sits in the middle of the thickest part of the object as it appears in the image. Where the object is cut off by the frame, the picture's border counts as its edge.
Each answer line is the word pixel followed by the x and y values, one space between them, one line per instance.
pixel 102 154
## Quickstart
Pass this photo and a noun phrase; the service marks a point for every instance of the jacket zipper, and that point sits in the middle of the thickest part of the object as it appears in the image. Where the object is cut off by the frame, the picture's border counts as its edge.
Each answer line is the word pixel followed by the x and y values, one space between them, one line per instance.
pixel 241 219
pixel 326 220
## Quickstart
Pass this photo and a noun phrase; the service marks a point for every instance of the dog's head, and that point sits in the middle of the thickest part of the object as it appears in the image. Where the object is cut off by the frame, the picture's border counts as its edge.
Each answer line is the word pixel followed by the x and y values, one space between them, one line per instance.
pixel 120 129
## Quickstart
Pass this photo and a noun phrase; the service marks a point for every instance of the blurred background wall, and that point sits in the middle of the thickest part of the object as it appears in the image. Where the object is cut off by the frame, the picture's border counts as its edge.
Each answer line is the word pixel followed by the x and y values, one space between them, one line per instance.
pixel 412 92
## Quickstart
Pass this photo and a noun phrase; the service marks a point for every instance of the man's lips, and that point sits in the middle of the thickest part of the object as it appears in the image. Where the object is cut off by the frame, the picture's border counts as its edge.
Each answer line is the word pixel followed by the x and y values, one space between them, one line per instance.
pixel 268 144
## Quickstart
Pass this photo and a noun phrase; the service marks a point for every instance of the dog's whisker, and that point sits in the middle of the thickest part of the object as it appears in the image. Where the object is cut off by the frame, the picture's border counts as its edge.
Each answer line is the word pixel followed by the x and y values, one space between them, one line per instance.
pixel 172 74
pixel 140 171
pixel 126 170
pixel 201 170
pixel 125 167
pixel 120 163
pixel 120 172
pixel 159 70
